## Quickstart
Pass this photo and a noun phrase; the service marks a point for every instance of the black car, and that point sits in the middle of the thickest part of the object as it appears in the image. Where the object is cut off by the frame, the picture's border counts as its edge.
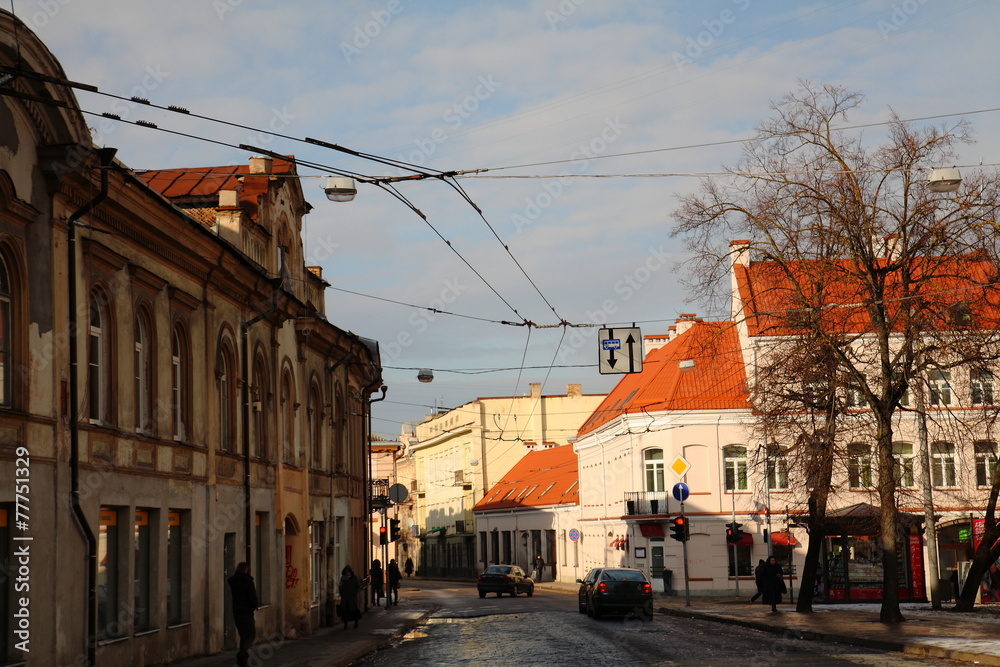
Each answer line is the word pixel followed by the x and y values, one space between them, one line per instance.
pixel 615 590
pixel 502 579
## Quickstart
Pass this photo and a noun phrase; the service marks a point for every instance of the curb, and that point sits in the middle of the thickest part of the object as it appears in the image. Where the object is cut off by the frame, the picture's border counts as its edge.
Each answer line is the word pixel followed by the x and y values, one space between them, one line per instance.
pixel 915 649
pixel 376 644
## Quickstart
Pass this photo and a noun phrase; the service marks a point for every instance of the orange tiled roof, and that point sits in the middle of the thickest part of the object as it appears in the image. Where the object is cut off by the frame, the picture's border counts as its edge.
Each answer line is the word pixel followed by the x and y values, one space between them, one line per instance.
pixel 716 380
pixel 542 478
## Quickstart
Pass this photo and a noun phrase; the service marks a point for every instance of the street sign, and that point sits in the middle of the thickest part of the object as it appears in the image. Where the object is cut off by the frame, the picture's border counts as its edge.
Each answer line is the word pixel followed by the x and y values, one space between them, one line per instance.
pixel 681 491
pixel 619 350
pixel 574 534
pixel 680 466
pixel 397 493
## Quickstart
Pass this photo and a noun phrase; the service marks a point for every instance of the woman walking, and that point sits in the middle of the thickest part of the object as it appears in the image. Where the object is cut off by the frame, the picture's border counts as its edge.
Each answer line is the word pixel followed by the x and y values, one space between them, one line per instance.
pixel 350 592
pixel 773 583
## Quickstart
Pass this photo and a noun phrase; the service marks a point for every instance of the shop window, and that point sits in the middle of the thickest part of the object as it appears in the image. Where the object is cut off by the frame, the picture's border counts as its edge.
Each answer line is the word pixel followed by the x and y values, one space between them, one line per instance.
pixel 108 562
pixel 741 566
pixel 735 461
pixel 939 384
pixel 177 584
pixel 653 460
pixel 986 462
pixel 943 464
pixel 981 386
pixel 902 453
pixel 859 466
pixel 142 610
pixel 777 468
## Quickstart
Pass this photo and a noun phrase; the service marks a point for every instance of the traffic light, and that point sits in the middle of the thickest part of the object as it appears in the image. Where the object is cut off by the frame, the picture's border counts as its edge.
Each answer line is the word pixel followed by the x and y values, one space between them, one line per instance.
pixel 679 529
pixel 383 535
pixel 393 530
pixel 734 532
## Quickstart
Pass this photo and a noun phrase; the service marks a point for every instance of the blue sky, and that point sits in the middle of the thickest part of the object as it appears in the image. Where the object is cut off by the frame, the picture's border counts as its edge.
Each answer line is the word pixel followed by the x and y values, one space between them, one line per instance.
pixel 559 85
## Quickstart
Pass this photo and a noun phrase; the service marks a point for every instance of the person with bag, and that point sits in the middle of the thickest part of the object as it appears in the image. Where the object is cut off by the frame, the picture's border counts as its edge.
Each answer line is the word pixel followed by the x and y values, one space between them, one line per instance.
pixel 758 577
pixel 394 576
pixel 349 608
pixel 774 583
pixel 377 582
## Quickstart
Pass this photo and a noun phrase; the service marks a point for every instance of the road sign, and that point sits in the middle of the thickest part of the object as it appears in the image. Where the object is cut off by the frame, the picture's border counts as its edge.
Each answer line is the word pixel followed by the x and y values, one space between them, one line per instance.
pixel 574 534
pixel 397 493
pixel 680 466
pixel 681 491
pixel 619 350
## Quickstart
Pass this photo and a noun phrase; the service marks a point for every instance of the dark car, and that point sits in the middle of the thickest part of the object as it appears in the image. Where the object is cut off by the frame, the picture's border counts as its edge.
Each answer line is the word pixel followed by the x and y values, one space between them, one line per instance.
pixel 615 590
pixel 502 579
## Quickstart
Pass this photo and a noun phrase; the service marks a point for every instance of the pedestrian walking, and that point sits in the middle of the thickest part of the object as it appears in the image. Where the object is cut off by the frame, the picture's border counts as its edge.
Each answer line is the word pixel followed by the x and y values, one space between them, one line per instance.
pixel 774 583
pixel 394 576
pixel 758 577
pixel 408 566
pixel 244 595
pixel 539 567
pixel 377 581
pixel 349 608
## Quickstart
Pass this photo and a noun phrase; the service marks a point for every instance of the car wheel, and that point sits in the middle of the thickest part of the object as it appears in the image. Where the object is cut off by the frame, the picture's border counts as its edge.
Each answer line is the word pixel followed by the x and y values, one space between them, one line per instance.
pixel 531 591
pixel 482 594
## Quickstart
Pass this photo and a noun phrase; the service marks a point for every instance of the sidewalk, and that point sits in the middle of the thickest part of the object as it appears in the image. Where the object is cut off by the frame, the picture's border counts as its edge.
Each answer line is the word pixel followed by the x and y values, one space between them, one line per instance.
pixel 971 637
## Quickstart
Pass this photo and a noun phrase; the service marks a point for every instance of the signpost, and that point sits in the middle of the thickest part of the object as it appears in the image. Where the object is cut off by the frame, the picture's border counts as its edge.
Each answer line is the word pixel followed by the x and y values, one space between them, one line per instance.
pixel 620 350
pixel 574 535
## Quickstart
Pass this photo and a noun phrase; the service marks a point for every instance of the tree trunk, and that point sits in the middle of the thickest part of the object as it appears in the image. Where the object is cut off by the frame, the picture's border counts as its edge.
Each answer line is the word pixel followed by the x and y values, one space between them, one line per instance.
pixel 888 522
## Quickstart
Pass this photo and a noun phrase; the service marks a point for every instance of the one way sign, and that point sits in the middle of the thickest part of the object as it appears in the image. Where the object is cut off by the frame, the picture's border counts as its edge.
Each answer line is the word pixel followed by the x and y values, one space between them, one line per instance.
pixel 620 350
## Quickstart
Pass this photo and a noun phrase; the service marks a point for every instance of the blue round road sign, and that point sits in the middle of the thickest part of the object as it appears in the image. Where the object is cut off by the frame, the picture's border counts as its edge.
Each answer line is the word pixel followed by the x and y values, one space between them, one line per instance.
pixel 681 491
pixel 574 534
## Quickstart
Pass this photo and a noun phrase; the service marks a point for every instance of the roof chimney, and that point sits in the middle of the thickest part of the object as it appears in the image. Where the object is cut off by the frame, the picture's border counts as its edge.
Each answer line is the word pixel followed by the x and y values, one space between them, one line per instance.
pixel 685 321
pixel 260 165
pixel 536 389
pixel 573 390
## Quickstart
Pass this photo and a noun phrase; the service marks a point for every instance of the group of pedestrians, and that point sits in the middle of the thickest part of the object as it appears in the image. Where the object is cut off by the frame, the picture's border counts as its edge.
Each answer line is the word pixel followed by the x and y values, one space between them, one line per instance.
pixel 770 580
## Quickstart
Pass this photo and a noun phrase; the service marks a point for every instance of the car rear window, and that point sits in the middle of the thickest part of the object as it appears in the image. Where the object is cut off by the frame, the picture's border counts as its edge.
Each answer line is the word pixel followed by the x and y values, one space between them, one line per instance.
pixel 624 575
pixel 497 569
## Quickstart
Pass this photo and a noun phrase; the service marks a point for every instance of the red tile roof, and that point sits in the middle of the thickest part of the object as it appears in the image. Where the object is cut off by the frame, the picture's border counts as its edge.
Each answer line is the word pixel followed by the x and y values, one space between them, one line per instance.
pixel 542 478
pixel 700 369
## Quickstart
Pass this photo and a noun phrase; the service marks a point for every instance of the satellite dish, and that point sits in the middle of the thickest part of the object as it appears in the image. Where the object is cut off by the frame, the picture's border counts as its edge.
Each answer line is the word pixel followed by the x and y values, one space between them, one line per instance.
pixel 397 493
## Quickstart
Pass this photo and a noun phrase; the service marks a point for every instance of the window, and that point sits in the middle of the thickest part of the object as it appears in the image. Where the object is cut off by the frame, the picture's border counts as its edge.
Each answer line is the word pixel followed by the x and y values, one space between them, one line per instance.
pixel 653 459
pixel 179 374
pixel 942 464
pixel 742 566
pixel 735 460
pixel 260 549
pixel 986 462
pixel 859 466
pixel 143 370
pixel 107 575
pixel 225 374
pixel 777 468
pixel 317 575
pixel 981 385
pixel 287 421
pixel 314 415
pixel 98 359
pixel 854 397
pixel 259 400
pixel 5 336
pixel 940 388
pixel 902 452
pixel 176 586
pixel 142 609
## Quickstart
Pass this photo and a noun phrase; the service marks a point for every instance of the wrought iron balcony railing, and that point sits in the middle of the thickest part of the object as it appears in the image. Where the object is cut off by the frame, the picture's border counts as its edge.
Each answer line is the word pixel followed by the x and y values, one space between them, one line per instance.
pixel 646 503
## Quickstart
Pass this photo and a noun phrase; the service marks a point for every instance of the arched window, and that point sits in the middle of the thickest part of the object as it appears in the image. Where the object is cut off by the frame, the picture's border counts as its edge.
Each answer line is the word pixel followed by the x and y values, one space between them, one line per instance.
pixel 653 462
pixel 902 452
pixel 859 466
pixel 339 428
pixel 735 461
pixel 986 462
pixel 943 464
pixel 99 359
pixel 180 373
pixel 225 375
pixel 6 342
pixel 143 367
pixel 287 420
pixel 777 468
pixel 259 400
pixel 314 414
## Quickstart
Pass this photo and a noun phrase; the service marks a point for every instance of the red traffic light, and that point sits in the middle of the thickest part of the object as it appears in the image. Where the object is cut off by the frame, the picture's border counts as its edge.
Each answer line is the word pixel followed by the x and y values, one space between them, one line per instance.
pixel 383 535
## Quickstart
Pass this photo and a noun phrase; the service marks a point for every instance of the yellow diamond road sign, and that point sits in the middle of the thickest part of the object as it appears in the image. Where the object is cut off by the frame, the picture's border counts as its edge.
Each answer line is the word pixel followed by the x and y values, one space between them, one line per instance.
pixel 680 466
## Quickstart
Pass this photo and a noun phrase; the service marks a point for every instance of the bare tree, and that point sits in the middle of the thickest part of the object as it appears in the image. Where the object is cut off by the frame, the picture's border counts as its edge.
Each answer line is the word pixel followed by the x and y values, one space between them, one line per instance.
pixel 857 262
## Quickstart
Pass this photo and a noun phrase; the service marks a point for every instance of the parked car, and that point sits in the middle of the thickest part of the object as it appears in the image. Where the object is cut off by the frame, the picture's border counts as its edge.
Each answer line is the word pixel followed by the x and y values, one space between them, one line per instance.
pixel 614 590
pixel 502 579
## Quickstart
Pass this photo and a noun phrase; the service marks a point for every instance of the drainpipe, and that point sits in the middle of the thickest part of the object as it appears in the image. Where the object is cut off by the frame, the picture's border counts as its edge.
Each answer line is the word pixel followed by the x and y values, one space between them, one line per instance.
pixel 245 400
pixel 106 156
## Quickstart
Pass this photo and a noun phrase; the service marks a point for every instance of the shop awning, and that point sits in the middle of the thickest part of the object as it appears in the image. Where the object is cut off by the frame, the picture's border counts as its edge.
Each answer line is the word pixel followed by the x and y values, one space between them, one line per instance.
pixel 745 540
pixel 783 539
pixel 651 530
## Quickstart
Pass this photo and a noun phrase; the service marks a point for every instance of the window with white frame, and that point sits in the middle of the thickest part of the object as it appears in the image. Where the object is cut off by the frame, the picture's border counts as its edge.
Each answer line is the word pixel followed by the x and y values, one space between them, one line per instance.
pixel 981 387
pixel 316 553
pixel 225 373
pixel 986 462
pixel 903 456
pixel 735 462
pixel 653 462
pixel 942 464
pixel 98 346
pixel 859 466
pixel 142 361
pixel 179 372
pixel 939 386
pixel 777 468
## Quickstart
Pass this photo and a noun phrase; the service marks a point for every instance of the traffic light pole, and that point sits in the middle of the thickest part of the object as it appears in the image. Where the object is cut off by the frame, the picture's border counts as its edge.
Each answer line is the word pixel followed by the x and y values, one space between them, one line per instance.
pixel 684 554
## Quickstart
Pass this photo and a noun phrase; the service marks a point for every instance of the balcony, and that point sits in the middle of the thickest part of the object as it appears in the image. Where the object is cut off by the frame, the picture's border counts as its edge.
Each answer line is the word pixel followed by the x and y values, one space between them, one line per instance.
pixel 646 503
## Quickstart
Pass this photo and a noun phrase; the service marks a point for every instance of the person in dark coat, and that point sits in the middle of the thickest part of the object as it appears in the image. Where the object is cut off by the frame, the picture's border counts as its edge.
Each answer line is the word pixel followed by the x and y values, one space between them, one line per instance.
pixel 408 567
pixel 350 594
pixel 774 583
pixel 245 603
pixel 378 582
pixel 758 577
pixel 394 576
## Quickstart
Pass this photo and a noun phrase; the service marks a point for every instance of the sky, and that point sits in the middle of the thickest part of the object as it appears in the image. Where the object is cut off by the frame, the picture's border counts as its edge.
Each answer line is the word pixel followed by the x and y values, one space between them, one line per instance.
pixel 577 124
